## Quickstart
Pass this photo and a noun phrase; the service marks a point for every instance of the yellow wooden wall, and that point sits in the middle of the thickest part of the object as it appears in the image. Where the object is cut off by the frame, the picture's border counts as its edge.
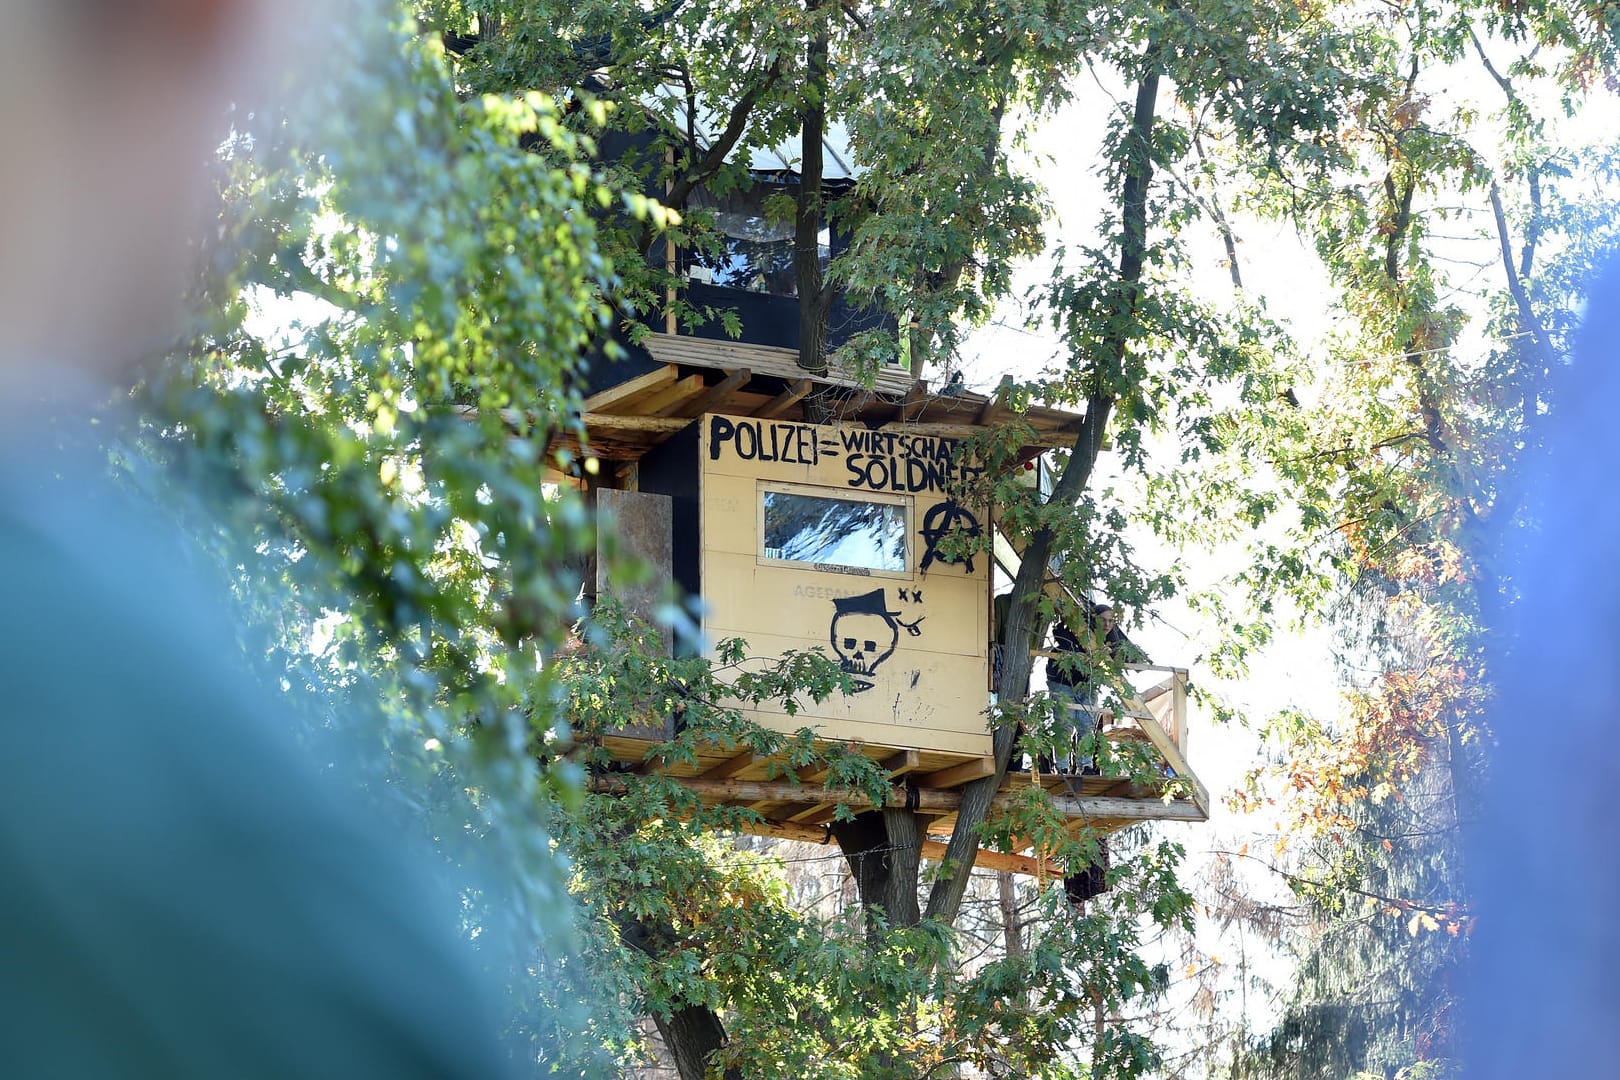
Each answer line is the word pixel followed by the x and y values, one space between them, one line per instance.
pixel 931 692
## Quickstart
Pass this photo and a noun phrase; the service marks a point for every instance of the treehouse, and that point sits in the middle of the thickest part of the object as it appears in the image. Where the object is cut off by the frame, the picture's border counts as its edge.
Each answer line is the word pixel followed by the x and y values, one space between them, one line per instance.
pixel 801 535
pixel 719 466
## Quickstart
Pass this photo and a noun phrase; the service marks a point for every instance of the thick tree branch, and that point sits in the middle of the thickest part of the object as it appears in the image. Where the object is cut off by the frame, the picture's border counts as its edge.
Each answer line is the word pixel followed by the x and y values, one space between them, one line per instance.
pixel 883 848
pixel 693 1034
pixel 1400 205
pixel 1531 389
pixel 1023 621
pixel 1515 284
pixel 1532 228
pixel 737 119
pixel 1453 479
pixel 854 16
pixel 736 123
pixel 1447 910
pixel 1501 80
pixel 1228 238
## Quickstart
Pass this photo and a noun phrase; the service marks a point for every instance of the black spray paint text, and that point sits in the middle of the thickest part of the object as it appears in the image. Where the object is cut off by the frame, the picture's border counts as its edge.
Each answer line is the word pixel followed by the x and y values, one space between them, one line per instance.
pixel 875 460
pixel 760 440
pixel 895 461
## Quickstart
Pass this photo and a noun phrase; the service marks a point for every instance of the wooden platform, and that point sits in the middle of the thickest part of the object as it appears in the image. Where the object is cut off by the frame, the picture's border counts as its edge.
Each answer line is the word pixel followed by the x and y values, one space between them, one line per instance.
pixel 797 806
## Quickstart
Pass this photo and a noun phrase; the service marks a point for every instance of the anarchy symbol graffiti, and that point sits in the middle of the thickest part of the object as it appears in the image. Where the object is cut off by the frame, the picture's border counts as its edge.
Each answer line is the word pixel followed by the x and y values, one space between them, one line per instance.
pixel 945 519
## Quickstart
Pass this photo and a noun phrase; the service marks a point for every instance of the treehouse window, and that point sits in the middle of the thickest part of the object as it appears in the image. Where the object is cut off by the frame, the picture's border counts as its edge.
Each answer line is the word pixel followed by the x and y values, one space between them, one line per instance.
pixel 864 533
pixel 754 249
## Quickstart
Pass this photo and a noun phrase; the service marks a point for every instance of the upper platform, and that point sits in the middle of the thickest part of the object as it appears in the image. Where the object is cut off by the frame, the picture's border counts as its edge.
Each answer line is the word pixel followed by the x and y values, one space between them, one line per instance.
pixel 685 377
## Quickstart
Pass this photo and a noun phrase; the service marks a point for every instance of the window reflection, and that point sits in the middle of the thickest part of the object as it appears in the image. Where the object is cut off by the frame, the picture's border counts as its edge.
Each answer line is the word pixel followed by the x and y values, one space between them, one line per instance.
pixel 848 532
pixel 755 242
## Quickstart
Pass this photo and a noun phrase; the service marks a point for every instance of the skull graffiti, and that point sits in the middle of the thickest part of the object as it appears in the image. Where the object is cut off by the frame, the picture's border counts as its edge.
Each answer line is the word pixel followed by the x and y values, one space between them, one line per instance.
pixel 864 634
pixel 863 640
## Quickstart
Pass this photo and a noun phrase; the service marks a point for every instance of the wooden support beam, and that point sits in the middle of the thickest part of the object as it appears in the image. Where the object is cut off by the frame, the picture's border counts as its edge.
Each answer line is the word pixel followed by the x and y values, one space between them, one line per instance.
pixel 905 761
pixel 786 792
pixel 1156 691
pixel 809 775
pixel 785 400
pixel 628 391
pixel 1167 749
pixel 631 751
pixel 1178 709
pixel 997 399
pixel 674 394
pixel 636 425
pixel 1115 785
pixel 928 799
pixel 812 774
pixel 711 400
pixel 917 399
pixel 816 815
pixel 1150 693
pixel 957 775
pixel 911 403
pixel 1043 439
pixel 732 766
pixel 895 765
pixel 1027 865
pixel 786 830
pixel 768 360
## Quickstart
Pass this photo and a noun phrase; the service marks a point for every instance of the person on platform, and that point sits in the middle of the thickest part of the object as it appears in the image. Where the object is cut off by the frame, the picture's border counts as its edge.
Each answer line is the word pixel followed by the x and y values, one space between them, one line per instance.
pixel 1072 680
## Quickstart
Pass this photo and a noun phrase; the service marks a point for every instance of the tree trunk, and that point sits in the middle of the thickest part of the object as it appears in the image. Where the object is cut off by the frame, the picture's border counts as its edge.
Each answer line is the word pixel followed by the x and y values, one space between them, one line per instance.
pixel 1012 927
pixel 905 857
pixel 1099 1035
pixel 815 297
pixel 693 1034
pixel 1023 621
pixel 883 848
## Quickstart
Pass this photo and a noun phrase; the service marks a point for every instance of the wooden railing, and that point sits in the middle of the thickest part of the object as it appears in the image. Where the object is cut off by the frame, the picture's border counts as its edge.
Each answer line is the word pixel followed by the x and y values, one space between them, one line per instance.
pixel 1155 714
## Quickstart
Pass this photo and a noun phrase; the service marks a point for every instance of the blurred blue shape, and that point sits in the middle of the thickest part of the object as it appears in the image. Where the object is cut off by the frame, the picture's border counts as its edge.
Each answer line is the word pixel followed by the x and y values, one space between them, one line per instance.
pixel 181 893
pixel 1541 994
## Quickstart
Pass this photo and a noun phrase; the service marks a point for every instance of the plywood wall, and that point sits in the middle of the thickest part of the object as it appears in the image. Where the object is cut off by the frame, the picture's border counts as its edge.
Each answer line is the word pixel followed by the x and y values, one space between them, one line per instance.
pixel 926 684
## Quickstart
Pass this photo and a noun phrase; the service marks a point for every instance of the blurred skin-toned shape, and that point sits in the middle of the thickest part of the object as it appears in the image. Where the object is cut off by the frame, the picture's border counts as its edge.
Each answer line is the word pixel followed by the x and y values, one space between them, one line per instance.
pixel 108 112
